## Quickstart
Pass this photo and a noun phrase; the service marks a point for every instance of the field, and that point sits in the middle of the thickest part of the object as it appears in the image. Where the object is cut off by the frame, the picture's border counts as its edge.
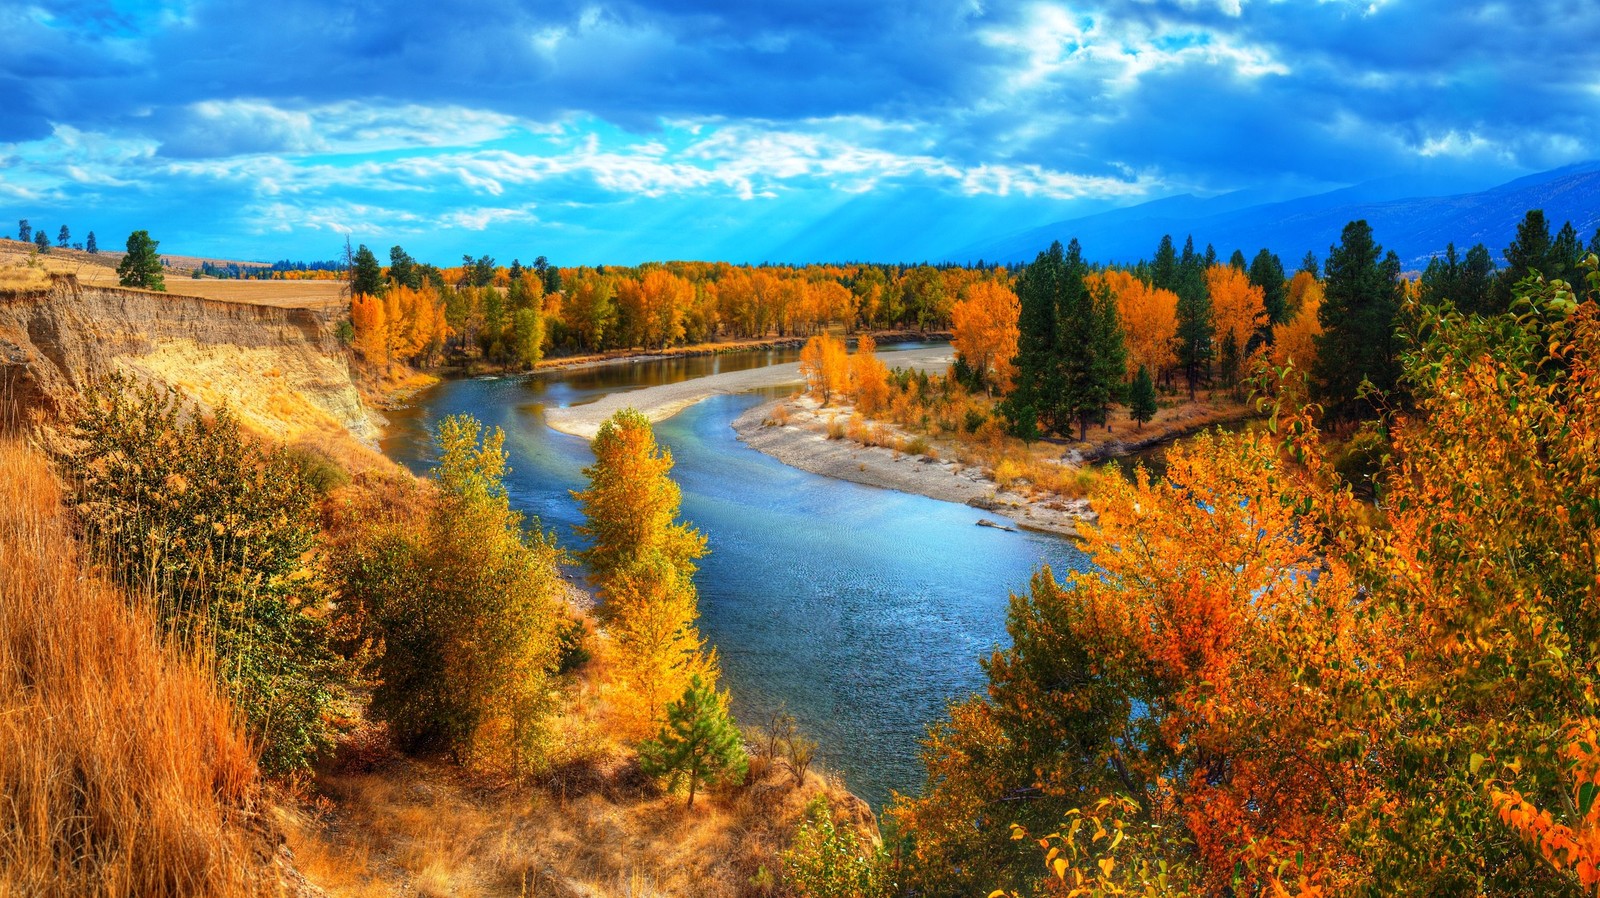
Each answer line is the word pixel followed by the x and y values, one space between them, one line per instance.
pixel 22 268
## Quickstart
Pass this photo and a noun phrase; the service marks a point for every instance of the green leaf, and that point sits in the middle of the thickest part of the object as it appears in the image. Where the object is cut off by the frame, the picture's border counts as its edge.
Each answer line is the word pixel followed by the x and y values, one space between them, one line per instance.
pixel 1475 762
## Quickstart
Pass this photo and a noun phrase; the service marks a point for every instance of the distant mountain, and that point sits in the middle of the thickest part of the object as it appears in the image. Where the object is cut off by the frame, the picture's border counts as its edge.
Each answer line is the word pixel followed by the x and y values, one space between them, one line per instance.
pixel 1416 228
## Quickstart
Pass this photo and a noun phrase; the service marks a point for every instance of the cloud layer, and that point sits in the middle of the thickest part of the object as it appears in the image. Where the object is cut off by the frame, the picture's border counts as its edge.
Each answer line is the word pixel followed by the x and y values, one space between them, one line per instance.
pixel 616 132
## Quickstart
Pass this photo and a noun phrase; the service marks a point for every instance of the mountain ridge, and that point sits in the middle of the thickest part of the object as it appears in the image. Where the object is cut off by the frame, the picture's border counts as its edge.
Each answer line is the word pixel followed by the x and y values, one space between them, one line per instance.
pixel 1415 227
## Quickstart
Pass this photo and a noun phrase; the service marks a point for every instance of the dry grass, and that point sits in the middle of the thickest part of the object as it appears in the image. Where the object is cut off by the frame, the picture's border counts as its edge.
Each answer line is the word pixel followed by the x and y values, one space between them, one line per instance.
pixel 122 771
pixel 21 265
pixel 594 825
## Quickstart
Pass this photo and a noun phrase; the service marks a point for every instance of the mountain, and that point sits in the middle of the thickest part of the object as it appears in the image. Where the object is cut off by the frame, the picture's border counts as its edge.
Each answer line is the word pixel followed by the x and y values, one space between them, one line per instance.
pixel 1416 228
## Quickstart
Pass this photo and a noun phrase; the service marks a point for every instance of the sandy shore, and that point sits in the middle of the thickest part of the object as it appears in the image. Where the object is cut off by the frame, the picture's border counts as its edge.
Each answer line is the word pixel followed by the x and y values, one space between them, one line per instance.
pixel 662 402
pixel 809 449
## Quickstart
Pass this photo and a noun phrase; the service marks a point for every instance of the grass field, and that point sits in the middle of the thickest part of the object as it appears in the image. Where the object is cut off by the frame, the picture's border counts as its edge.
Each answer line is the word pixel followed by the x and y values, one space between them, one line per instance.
pixel 23 268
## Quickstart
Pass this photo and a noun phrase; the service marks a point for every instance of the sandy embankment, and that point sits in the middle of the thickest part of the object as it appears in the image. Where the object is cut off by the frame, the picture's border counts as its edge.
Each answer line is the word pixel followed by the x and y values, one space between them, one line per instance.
pixel 662 402
pixel 809 449
pixel 803 443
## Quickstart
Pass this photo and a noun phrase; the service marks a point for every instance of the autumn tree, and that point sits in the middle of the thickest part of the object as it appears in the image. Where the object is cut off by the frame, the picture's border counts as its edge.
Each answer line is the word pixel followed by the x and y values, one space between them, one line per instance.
pixel 1361 296
pixel 985 331
pixel 1238 309
pixel 642 559
pixel 1166 675
pixel 369 320
pixel 825 367
pixel 141 266
pixel 699 742
pixel 869 377
pixel 465 611
pixel 1149 317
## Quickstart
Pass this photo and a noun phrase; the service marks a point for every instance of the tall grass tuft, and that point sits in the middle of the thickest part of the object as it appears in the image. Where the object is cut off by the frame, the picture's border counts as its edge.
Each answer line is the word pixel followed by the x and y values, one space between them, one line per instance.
pixel 123 771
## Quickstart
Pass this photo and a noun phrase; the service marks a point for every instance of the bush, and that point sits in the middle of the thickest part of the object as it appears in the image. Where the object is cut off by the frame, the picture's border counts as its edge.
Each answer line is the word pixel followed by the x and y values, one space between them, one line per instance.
pixel 214 528
pixel 830 861
pixel 465 611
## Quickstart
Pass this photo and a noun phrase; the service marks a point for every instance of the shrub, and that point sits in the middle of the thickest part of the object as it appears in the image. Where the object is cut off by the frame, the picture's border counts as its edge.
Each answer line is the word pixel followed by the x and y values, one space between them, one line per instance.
pixel 215 528
pixel 465 611
pixel 832 861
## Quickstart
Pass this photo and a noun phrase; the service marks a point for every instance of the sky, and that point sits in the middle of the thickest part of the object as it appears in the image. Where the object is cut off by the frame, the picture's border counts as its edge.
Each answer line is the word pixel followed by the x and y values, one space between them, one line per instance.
pixel 751 130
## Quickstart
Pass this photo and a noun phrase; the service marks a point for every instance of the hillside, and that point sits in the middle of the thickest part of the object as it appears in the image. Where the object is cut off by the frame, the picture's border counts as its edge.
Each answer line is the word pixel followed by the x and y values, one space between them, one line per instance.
pixel 280 369
pixel 1416 228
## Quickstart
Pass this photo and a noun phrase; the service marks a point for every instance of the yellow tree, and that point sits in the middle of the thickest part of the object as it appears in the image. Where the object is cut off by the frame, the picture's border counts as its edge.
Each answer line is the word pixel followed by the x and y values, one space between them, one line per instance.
pixel 1237 307
pixel 1296 339
pixel 825 365
pixel 642 560
pixel 869 377
pixel 370 321
pixel 985 325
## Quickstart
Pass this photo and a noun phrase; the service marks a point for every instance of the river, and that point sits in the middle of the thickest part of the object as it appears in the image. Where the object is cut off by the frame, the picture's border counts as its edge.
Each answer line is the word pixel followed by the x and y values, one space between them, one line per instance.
pixel 862 611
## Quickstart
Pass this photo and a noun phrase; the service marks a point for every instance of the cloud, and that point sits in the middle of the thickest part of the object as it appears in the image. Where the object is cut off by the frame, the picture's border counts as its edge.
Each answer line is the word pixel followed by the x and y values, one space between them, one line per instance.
pixel 609 115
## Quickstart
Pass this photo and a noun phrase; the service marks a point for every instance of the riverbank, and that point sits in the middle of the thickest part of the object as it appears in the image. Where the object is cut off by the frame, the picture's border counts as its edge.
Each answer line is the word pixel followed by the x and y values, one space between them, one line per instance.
pixel 661 402
pixel 802 441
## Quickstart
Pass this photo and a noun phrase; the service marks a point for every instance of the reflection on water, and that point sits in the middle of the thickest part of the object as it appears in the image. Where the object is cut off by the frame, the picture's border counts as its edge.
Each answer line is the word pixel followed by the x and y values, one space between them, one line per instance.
pixel 862 610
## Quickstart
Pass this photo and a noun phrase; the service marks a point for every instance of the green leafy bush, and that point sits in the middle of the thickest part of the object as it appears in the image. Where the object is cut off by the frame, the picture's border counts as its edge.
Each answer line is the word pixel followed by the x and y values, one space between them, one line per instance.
pixel 215 529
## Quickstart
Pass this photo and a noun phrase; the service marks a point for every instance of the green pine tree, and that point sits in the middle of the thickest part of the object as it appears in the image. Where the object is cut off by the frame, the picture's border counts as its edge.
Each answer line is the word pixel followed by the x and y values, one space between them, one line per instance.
pixel 698 744
pixel 1357 342
pixel 1142 401
pixel 141 267
pixel 366 275
pixel 1266 272
pixel 1032 400
pixel 1196 328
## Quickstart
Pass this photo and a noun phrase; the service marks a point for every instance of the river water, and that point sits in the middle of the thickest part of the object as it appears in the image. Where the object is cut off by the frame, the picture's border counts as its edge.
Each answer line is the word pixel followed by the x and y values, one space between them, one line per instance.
pixel 862 611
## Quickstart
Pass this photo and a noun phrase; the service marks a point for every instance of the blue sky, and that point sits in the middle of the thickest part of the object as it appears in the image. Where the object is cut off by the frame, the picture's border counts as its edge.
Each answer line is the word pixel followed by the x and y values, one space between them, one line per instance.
pixel 787 130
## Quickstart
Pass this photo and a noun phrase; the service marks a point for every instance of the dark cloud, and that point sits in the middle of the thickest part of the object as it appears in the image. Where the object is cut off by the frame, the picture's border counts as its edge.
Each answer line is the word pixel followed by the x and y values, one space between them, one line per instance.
pixel 1184 94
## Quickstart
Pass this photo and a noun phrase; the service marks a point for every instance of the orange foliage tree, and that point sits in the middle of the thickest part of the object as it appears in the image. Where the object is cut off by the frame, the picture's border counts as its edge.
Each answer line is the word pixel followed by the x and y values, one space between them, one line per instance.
pixel 1161 676
pixel 1238 308
pixel 825 365
pixel 985 325
pixel 869 377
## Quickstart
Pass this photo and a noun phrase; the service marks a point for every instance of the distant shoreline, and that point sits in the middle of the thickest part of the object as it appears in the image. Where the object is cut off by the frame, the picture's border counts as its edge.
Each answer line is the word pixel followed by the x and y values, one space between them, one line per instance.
pixel 811 450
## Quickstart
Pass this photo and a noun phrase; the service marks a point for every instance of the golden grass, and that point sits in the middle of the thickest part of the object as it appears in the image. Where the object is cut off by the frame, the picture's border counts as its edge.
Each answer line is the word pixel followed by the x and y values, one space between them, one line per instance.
pixel 122 771
pixel 592 826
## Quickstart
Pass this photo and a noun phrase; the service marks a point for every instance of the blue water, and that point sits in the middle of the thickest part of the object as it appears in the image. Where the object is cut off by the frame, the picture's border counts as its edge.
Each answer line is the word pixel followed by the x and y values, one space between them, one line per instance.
pixel 861 610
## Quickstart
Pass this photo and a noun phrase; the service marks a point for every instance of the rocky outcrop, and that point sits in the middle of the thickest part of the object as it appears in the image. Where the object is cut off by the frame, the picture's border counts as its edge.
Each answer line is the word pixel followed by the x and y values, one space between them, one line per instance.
pixel 280 370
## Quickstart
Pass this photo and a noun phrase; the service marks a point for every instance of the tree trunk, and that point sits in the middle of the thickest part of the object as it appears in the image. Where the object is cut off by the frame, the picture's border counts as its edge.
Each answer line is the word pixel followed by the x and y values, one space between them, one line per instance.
pixel 693 781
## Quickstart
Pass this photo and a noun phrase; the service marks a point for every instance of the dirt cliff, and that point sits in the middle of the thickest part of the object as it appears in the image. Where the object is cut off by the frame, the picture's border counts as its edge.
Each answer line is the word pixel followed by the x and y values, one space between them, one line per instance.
pixel 281 370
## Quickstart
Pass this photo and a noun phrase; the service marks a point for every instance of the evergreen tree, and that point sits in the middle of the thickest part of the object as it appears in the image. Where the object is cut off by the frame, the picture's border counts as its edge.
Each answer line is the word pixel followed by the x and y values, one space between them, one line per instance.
pixel 698 744
pixel 24 231
pixel 1531 251
pixel 90 246
pixel 1594 242
pixel 403 269
pixel 1142 401
pixel 1093 355
pixel 1360 300
pixel 1309 263
pixel 1266 272
pixel 1468 283
pixel 141 267
pixel 1164 270
pixel 1196 329
pixel 64 237
pixel 366 276
pixel 1237 260
pixel 1565 252
pixel 41 241
pixel 1038 378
